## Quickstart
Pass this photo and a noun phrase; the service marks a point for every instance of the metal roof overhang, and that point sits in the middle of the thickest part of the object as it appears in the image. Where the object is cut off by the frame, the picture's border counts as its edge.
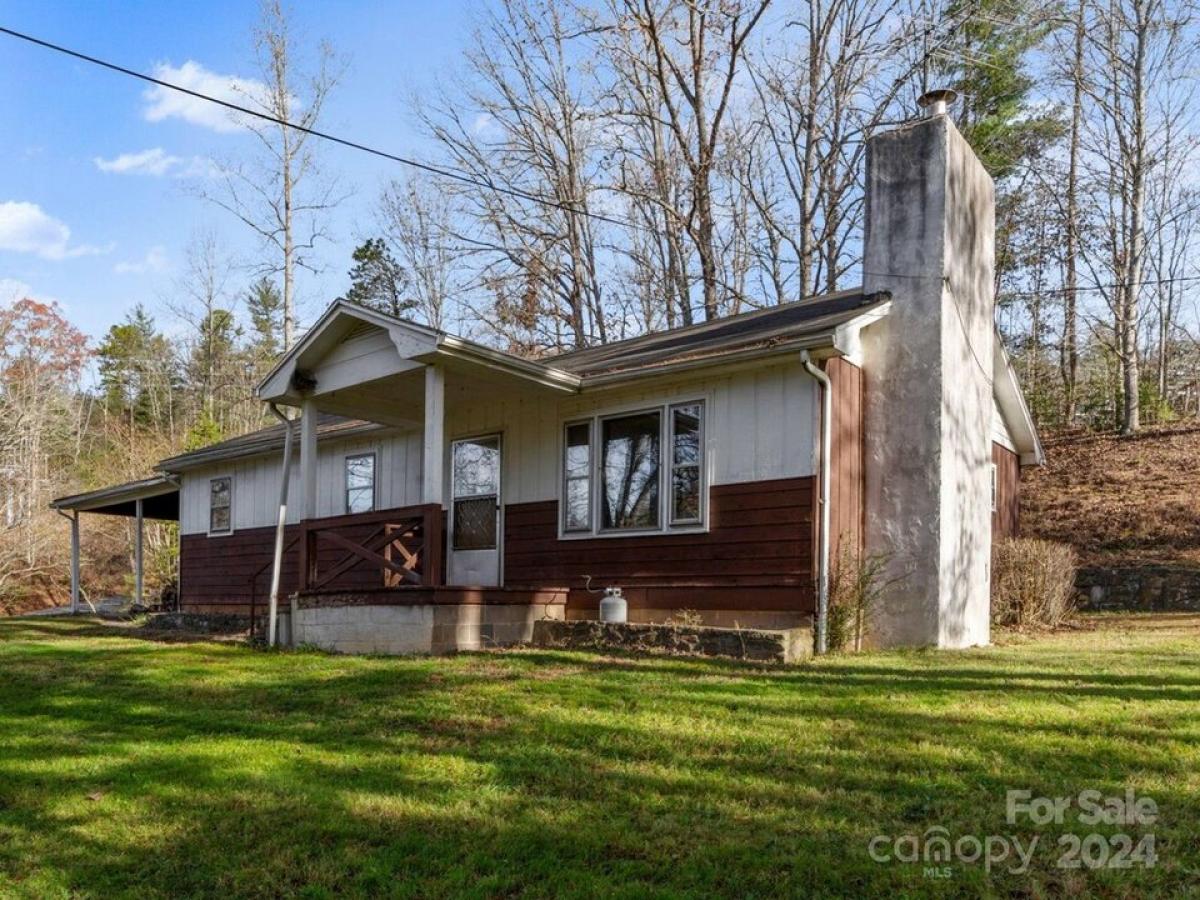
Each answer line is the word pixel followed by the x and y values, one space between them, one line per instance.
pixel 159 496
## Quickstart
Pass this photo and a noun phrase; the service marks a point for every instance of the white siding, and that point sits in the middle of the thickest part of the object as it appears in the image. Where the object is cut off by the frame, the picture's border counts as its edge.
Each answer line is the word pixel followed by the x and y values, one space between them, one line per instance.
pixel 1000 433
pixel 256 482
pixel 761 425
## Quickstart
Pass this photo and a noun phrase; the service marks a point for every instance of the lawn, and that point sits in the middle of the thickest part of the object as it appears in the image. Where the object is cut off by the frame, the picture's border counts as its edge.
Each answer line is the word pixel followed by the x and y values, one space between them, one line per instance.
pixel 142 768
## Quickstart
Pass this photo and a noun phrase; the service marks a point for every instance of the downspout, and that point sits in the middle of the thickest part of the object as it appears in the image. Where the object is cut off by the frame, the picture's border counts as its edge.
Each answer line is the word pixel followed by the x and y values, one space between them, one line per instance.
pixel 280 524
pixel 823 549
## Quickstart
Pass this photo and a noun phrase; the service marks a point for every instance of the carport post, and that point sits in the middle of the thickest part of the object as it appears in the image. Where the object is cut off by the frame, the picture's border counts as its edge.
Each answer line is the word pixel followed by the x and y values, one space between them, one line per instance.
pixel 75 562
pixel 137 554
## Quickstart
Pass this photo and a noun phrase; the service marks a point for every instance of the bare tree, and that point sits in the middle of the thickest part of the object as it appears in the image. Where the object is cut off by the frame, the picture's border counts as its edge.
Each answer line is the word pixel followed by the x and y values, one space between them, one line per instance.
pixel 1138 54
pixel 691 54
pixel 818 99
pixel 417 219
pixel 280 195
pixel 523 121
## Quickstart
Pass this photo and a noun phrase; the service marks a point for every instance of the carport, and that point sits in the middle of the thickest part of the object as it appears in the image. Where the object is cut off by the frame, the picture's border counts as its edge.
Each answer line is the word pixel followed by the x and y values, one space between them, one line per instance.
pixel 151 498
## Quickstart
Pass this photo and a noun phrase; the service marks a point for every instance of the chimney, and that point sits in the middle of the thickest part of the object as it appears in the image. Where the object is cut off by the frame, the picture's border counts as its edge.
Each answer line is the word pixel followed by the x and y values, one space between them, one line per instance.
pixel 929 241
pixel 935 103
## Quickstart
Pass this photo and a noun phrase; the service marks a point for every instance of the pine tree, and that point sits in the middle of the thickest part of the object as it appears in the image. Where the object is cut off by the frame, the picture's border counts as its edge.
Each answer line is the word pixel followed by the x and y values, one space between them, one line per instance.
pixel 987 66
pixel 137 371
pixel 264 304
pixel 377 280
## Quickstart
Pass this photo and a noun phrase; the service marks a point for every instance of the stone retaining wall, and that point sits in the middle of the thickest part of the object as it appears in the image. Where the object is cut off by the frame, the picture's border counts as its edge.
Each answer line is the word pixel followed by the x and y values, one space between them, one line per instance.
pixel 761 645
pixel 1140 588
pixel 200 623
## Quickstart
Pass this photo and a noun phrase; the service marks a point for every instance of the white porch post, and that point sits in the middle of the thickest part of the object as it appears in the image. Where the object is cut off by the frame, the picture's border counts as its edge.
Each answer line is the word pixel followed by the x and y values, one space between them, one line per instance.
pixel 75 562
pixel 138 579
pixel 308 460
pixel 435 435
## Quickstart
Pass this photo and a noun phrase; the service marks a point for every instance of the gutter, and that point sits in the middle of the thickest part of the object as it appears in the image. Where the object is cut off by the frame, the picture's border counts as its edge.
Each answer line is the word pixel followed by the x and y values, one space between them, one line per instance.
pixel 823 552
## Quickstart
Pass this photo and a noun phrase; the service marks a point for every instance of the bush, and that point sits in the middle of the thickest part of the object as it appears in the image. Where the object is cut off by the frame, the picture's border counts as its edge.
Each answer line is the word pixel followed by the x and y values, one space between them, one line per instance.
pixel 1033 583
pixel 856 586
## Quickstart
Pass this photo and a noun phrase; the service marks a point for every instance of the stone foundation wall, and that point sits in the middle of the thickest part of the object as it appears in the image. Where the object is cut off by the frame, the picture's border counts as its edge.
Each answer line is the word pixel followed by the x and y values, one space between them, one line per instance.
pixel 199 623
pixel 416 628
pixel 761 645
pixel 1141 588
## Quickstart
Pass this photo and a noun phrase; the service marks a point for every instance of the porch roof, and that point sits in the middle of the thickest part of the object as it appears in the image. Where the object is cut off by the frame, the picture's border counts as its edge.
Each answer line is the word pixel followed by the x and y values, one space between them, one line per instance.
pixel 159 496
pixel 264 441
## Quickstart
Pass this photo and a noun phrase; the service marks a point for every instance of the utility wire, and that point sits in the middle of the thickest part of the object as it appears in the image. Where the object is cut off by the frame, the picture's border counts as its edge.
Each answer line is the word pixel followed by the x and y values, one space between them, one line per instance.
pixel 323 135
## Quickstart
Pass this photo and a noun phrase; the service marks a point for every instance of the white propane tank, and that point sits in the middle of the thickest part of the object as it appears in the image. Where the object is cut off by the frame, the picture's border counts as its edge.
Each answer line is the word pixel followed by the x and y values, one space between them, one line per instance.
pixel 613 607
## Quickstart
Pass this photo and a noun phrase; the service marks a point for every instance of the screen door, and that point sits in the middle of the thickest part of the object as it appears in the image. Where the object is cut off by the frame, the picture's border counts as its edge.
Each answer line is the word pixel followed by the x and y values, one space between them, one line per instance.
pixel 475 512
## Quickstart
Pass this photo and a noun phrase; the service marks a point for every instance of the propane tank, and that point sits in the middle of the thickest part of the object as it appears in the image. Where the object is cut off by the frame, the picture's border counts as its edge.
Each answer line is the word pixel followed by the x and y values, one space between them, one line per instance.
pixel 613 607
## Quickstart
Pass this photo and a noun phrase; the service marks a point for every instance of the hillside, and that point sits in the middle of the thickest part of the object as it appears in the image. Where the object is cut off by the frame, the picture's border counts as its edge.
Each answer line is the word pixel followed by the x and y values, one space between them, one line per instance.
pixel 1119 500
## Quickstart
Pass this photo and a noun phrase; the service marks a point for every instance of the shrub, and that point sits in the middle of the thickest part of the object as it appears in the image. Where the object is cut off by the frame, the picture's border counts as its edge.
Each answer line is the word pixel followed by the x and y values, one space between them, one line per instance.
pixel 856 585
pixel 1033 583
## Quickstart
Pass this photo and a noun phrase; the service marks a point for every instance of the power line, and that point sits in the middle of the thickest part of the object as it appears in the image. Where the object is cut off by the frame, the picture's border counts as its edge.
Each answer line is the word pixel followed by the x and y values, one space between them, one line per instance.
pixel 323 135
pixel 1145 282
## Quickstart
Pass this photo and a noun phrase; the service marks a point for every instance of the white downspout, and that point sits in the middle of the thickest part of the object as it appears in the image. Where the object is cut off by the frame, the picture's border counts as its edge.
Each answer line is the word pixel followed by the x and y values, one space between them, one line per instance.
pixel 280 525
pixel 826 452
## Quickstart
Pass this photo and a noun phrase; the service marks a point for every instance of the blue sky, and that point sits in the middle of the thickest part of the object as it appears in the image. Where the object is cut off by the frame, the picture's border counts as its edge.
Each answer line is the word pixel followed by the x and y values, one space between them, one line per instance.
pixel 95 206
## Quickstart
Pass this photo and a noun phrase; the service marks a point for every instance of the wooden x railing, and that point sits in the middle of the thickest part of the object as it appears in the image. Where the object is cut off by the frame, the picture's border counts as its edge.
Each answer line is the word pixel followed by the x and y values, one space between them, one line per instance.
pixel 388 549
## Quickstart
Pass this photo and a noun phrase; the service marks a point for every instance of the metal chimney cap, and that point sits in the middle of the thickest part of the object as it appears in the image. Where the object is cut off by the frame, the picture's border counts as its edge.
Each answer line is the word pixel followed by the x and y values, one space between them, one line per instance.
pixel 935 102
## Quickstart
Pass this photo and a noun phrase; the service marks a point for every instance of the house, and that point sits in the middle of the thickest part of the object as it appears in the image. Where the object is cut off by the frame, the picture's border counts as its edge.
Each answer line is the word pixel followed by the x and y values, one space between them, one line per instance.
pixel 442 495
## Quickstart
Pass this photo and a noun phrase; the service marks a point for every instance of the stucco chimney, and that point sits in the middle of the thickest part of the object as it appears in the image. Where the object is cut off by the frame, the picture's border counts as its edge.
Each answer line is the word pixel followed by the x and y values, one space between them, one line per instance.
pixel 930 242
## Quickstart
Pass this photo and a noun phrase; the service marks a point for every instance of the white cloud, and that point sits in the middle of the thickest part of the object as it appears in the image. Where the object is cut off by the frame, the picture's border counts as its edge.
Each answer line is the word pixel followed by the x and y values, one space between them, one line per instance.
pixel 157 163
pixel 163 103
pixel 155 260
pixel 25 228
pixel 12 290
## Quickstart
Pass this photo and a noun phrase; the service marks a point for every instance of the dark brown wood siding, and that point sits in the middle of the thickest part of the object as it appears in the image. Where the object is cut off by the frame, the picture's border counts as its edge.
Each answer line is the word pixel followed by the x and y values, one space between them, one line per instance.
pixel 846 482
pixel 1006 516
pixel 217 574
pixel 224 574
pixel 756 555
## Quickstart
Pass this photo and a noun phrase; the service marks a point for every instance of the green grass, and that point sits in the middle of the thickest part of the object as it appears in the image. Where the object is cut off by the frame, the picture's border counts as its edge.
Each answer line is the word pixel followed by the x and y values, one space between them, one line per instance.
pixel 140 768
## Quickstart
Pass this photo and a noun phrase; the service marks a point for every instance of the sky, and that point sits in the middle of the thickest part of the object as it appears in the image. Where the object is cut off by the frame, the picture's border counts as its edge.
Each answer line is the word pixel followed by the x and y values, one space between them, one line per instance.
pixel 99 171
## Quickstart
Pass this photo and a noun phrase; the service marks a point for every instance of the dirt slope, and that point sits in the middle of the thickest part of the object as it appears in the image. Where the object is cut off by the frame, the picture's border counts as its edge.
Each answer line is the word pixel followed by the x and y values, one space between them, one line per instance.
pixel 1119 500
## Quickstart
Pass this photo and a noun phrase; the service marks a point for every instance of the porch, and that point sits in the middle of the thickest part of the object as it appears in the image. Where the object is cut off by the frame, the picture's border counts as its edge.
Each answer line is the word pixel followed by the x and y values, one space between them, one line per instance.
pixel 376 583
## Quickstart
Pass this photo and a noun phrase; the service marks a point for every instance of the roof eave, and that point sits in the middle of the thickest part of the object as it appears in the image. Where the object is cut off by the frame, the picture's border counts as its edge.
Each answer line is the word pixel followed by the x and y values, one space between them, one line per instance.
pixel 197 459
pixel 1006 388
pixel 146 488
pixel 822 342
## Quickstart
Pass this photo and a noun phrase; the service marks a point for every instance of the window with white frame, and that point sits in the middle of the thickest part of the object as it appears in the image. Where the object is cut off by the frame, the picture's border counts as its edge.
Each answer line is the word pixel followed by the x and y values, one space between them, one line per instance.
pixel 995 488
pixel 220 505
pixel 360 483
pixel 635 471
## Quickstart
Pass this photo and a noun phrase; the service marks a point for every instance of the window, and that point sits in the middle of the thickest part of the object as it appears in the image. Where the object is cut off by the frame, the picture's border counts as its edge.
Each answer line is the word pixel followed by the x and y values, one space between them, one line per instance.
pixel 686 444
pixel 360 483
pixel 629 471
pixel 476 484
pixel 220 505
pixel 577 478
pixel 995 489
pixel 638 471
